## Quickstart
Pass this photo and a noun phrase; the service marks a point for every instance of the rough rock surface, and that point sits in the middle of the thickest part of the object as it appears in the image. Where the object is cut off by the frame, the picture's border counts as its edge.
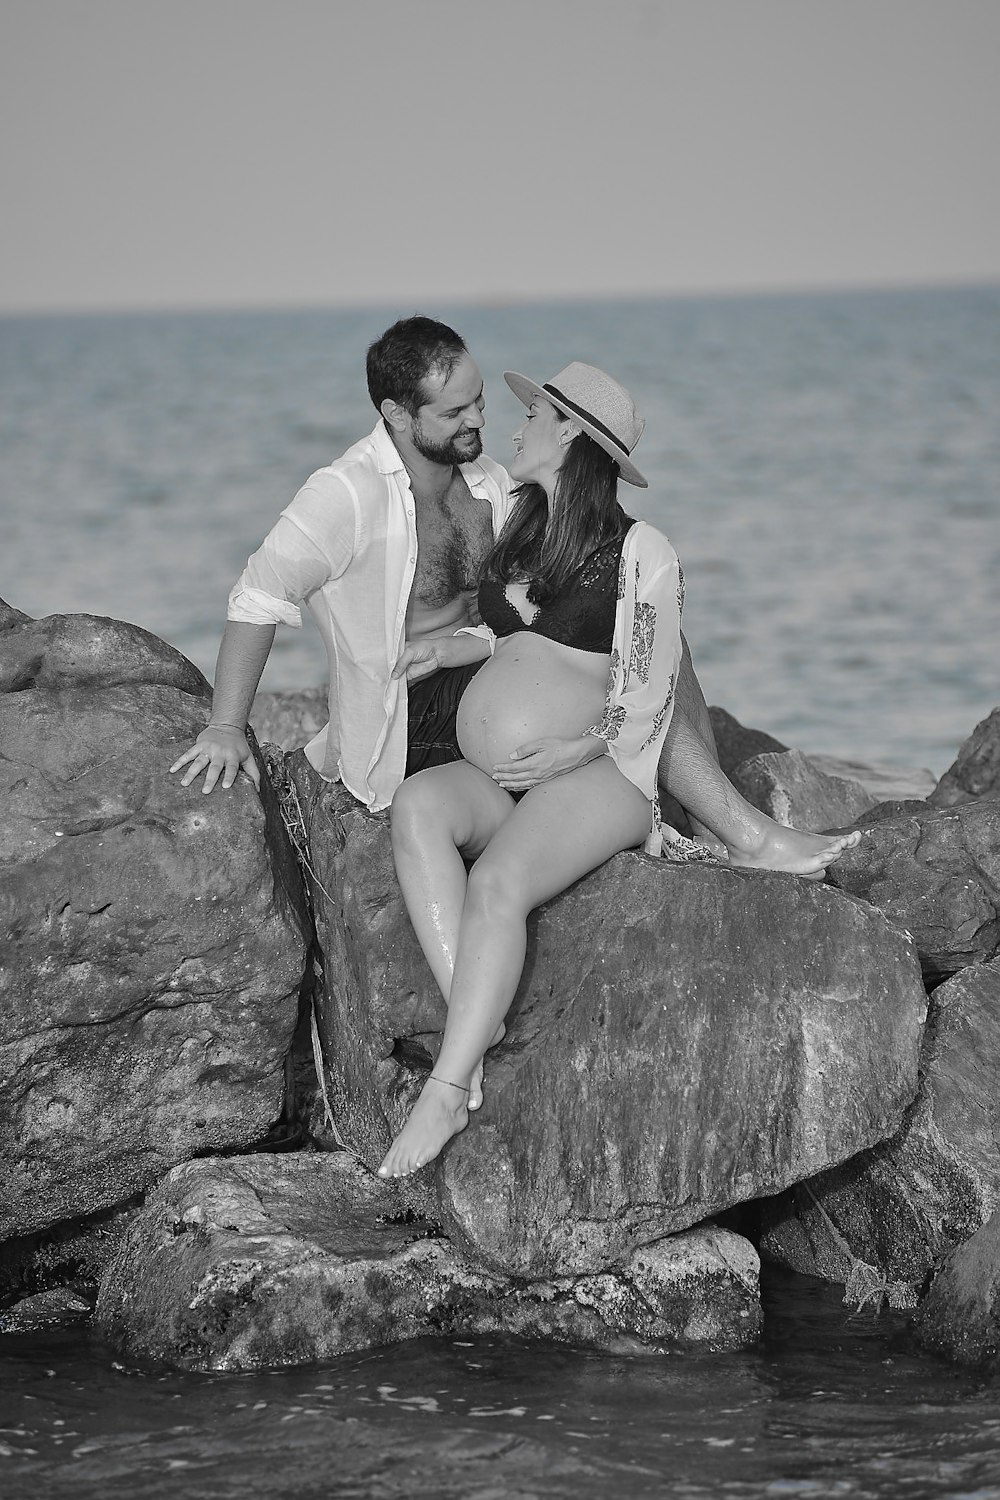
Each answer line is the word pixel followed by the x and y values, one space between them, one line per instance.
pixel 976 770
pixel 52 1309
pixel 736 743
pixel 936 874
pixel 289 720
pixel 904 1206
pixel 266 1260
pixel 153 937
pixel 793 791
pixel 684 1038
pixel 960 1316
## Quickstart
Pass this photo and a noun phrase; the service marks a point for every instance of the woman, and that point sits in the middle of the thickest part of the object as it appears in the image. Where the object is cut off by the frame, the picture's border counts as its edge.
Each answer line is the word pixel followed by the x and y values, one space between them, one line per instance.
pixel 561 729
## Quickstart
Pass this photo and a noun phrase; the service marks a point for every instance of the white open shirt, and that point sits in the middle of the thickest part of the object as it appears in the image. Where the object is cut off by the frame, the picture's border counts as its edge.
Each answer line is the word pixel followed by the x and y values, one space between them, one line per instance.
pixel 346 547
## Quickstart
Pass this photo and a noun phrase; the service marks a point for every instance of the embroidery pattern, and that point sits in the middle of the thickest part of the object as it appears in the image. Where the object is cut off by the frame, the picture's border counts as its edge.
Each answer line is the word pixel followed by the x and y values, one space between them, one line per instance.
pixel 681 588
pixel 659 717
pixel 643 628
pixel 614 717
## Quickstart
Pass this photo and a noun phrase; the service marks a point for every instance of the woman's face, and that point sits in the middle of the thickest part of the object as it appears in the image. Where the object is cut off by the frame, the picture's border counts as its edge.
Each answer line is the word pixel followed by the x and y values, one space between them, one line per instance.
pixel 538 450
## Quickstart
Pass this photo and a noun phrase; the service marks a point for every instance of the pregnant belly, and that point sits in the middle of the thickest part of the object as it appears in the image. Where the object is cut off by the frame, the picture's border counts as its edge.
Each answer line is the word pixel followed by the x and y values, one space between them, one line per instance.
pixel 530 688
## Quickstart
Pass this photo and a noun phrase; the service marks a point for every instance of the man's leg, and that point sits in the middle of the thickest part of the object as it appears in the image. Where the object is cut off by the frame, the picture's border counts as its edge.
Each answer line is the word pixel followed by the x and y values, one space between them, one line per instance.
pixel 689 770
pixel 688 740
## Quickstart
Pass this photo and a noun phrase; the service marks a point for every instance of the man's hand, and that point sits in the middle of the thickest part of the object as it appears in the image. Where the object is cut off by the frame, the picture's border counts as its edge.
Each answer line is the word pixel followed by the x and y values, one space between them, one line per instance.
pixel 219 751
pixel 541 760
pixel 420 659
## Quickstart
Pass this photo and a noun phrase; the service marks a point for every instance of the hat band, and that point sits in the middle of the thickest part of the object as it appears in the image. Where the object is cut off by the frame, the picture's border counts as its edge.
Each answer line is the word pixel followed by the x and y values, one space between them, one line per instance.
pixel 554 390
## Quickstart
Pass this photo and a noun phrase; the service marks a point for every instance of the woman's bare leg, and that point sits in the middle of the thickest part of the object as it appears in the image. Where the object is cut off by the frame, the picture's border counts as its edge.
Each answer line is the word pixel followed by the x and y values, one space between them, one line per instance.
pixel 544 845
pixel 440 818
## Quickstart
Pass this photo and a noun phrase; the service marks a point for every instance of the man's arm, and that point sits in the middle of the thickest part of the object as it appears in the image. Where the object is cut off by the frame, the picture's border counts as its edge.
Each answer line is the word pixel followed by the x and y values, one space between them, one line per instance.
pixel 221 750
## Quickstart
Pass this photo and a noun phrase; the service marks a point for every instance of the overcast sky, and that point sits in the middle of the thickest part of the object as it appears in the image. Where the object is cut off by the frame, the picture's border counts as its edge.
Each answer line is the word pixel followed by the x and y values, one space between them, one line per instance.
pixel 192 153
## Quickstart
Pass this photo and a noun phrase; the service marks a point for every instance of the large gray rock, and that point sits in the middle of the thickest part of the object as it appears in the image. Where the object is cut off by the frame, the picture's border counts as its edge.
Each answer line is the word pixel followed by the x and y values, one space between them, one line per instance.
pixel 735 742
pixel 273 1260
pixel 976 770
pixel 684 1038
pixel 935 873
pixel 902 1207
pixel 960 1316
pixel 792 790
pixel 154 938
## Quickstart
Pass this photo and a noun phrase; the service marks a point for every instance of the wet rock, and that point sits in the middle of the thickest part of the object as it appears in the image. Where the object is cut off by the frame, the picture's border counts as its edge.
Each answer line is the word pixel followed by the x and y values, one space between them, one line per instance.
pixel 269 1260
pixel 684 1038
pixel 976 770
pixel 935 873
pixel 902 1207
pixel 291 719
pixel 960 1316
pixel 52 1309
pixel 736 743
pixel 793 791
pixel 153 937
pixel 73 1253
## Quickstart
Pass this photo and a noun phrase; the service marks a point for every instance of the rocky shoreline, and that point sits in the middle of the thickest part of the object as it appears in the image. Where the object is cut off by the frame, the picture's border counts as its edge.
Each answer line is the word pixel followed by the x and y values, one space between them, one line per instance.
pixel 703 1065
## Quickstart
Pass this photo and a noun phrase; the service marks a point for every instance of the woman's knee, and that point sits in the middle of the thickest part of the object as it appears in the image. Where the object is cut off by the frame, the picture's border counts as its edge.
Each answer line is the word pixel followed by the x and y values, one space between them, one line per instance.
pixel 414 804
pixel 497 887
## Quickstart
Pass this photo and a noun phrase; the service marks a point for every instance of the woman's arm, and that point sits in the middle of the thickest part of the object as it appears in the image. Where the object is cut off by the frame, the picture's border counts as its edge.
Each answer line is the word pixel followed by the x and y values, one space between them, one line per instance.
pixel 646 656
pixel 422 657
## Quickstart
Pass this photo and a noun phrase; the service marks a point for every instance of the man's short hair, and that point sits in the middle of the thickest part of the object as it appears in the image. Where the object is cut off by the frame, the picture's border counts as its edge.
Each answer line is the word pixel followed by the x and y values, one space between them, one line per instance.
pixel 406 353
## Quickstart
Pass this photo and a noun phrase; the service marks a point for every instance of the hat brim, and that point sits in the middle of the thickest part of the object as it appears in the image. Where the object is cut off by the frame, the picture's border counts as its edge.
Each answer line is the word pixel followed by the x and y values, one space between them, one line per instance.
pixel 525 390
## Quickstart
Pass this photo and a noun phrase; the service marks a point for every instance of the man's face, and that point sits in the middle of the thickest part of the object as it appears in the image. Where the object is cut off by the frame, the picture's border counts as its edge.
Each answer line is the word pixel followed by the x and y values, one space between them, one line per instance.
pixel 447 427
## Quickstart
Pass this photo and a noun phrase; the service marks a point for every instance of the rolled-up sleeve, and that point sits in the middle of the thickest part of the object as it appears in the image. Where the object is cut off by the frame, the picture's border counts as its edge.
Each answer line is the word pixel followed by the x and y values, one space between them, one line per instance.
pixel 311 542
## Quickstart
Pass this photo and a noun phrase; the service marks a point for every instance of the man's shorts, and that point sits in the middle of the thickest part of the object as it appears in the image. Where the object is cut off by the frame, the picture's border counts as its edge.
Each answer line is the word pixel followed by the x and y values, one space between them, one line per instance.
pixel 432 707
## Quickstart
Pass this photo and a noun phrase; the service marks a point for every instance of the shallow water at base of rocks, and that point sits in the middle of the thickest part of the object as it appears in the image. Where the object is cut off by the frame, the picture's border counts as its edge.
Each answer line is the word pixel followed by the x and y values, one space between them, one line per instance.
pixel 833 1403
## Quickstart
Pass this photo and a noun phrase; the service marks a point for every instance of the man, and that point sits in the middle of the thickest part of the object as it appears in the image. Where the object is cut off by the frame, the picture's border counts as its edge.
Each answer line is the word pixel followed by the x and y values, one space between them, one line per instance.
pixel 385 546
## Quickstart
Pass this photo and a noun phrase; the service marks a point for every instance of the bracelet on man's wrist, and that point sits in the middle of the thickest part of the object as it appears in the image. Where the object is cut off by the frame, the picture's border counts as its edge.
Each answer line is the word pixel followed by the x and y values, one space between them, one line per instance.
pixel 225 724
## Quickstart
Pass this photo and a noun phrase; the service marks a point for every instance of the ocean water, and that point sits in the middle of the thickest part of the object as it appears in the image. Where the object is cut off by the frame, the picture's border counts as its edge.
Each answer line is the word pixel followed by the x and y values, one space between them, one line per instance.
pixel 828 468
pixel 832 1404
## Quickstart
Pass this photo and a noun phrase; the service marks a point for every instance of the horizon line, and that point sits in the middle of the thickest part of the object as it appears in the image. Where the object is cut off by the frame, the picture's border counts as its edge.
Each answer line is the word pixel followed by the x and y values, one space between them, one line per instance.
pixel 501 300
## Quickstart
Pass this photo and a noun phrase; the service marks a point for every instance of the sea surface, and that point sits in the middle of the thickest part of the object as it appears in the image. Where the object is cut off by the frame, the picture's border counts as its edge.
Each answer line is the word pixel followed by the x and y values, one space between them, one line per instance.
pixel 828 468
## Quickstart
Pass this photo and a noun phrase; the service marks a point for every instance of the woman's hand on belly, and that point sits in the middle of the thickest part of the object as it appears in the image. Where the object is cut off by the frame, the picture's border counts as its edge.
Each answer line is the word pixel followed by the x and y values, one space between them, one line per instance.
pixel 541 760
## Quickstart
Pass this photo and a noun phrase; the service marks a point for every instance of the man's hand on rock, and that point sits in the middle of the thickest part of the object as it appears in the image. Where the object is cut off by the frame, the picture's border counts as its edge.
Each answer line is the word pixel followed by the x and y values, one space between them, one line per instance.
pixel 221 751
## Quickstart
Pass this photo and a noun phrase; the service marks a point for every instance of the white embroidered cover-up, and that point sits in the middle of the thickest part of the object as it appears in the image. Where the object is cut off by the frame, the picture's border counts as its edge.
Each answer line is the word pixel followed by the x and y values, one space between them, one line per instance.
pixel 645 658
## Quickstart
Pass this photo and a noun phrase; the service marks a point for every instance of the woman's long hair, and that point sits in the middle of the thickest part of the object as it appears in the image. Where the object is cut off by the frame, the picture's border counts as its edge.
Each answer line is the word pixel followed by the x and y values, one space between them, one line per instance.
pixel 547 550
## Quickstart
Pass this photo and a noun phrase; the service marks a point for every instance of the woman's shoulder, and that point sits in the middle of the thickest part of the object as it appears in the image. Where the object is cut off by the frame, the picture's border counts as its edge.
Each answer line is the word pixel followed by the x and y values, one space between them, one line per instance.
pixel 646 542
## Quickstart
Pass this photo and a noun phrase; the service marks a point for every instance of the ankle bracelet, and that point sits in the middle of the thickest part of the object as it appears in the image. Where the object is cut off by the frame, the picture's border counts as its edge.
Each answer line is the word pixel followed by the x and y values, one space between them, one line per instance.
pixel 451 1085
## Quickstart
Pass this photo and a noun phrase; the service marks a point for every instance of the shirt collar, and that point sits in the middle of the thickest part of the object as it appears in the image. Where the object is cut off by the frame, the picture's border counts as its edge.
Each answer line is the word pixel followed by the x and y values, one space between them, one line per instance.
pixel 386 453
pixel 389 461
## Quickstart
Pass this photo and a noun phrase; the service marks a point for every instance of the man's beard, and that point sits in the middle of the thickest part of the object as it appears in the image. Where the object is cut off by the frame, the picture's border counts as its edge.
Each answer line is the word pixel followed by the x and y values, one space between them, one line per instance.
pixel 452 451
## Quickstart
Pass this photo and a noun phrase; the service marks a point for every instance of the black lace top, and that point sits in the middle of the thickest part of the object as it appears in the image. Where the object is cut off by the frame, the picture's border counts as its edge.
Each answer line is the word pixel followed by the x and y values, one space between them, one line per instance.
pixel 583 615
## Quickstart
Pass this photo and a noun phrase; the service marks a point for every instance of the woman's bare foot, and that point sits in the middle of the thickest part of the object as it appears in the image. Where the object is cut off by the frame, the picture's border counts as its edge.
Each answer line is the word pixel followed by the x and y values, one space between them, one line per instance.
pixel 794 851
pixel 476 1091
pixel 440 1112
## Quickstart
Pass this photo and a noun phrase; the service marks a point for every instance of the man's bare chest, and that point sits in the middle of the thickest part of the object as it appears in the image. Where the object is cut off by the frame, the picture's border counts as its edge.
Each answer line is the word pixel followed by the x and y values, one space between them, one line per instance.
pixel 453 538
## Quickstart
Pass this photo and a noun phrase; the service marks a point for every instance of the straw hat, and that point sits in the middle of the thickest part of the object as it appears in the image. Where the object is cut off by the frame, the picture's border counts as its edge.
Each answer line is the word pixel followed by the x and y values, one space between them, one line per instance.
pixel 599 405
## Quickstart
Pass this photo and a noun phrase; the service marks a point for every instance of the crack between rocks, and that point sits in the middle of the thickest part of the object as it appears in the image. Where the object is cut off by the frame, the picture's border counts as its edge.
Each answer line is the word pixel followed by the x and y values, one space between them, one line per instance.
pixel 143 1007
